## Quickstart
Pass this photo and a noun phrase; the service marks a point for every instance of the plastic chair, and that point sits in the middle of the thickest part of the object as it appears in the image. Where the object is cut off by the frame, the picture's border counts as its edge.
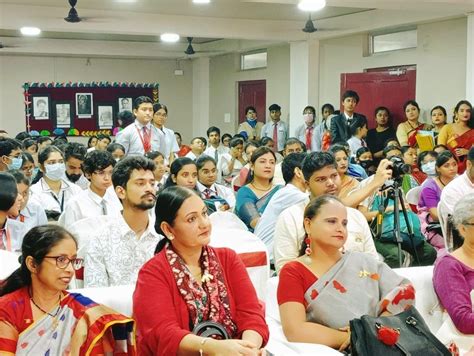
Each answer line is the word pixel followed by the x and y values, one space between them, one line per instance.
pixel 413 195
pixel 251 250
pixel 443 217
pixel 8 263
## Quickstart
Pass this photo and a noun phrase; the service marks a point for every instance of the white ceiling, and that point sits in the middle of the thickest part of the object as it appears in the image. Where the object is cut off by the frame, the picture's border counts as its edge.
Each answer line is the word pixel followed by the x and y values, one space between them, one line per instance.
pixel 115 28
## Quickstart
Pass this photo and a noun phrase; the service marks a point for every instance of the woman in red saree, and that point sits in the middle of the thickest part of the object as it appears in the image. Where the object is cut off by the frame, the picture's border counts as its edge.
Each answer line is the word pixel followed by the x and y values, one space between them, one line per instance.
pixel 459 136
pixel 38 316
pixel 407 131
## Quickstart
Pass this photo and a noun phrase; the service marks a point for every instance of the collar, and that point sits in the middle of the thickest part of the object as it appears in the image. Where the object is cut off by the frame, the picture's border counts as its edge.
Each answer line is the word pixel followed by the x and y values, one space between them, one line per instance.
pixel 126 231
pixel 140 126
pixel 95 197
pixel 45 187
pixel 348 117
pixel 202 187
pixel 468 180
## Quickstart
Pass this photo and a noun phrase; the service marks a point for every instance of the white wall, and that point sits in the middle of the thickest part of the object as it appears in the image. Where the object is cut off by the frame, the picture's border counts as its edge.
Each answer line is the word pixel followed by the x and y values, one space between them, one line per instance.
pixel 440 59
pixel 225 74
pixel 175 91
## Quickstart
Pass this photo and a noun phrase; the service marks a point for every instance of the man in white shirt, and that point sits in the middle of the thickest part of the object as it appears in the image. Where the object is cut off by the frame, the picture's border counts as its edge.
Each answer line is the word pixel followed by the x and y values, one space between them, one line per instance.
pixel 292 145
pixel 74 154
pixel 197 148
pixel 319 170
pixel 459 187
pixel 100 197
pixel 294 192
pixel 215 149
pixel 141 136
pixel 207 174
pixel 121 247
pixel 160 114
pixel 306 132
pixel 276 129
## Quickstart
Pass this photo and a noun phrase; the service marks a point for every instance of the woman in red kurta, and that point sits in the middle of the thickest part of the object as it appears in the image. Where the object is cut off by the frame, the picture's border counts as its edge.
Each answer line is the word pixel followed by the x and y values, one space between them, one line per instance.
pixel 188 282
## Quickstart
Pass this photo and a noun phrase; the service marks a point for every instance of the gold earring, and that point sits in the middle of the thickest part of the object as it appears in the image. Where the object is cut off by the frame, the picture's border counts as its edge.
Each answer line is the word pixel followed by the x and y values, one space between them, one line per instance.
pixel 171 237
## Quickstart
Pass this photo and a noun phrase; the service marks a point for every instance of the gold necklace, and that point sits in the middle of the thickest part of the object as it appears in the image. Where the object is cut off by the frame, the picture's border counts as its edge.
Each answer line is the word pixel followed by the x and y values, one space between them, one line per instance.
pixel 263 190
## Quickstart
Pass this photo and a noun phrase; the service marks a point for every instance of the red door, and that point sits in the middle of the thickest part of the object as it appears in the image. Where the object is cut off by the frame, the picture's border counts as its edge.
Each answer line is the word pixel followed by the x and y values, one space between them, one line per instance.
pixel 252 93
pixel 389 88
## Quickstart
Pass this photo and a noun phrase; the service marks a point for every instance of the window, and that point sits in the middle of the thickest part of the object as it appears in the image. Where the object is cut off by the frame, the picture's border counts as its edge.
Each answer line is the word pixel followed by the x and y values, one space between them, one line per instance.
pixel 393 41
pixel 253 60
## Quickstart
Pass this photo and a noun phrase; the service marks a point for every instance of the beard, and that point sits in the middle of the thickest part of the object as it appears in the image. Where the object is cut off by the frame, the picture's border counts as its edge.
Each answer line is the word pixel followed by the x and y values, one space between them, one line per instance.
pixel 73 177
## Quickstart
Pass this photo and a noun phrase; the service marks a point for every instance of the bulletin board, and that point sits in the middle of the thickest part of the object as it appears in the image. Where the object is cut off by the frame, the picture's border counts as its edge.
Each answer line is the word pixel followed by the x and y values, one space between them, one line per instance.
pixel 80 109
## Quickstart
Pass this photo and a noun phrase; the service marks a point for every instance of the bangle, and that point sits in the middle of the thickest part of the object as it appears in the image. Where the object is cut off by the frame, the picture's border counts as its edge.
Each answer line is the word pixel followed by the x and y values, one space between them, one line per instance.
pixel 203 342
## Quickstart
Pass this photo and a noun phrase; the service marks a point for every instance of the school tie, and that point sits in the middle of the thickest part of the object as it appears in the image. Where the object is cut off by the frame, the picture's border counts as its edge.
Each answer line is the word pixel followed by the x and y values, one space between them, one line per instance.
pixel 146 139
pixel 104 207
pixel 309 136
pixel 364 144
pixel 207 193
pixel 275 137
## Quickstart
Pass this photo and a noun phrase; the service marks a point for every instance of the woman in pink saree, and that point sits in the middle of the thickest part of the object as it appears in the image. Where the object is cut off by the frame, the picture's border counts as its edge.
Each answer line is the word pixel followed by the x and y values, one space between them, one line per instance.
pixel 325 288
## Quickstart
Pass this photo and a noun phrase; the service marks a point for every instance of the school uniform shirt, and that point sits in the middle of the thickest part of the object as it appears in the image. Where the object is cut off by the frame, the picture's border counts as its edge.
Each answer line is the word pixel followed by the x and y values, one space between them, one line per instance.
pixel 191 155
pixel 131 138
pixel 354 144
pixel 42 194
pixel 282 133
pixel 116 254
pixel 217 153
pixel 82 182
pixel 171 145
pixel 218 190
pixel 289 234
pixel 300 134
pixel 11 236
pixel 32 215
pixel 88 204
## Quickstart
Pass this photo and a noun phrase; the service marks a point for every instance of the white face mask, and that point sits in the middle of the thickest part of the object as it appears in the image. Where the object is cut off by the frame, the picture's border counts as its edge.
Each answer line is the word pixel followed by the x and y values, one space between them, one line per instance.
pixel 308 118
pixel 55 171
pixel 429 168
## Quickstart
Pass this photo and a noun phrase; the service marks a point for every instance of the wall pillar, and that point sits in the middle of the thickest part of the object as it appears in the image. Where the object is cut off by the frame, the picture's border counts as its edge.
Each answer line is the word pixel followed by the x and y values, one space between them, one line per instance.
pixel 200 117
pixel 470 58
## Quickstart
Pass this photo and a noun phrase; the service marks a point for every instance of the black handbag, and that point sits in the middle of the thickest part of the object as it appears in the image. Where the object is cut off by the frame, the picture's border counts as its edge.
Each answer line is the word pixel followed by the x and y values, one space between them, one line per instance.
pixel 211 329
pixel 414 336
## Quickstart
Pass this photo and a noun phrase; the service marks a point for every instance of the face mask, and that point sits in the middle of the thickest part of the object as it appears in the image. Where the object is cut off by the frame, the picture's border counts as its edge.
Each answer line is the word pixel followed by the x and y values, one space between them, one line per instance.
pixel 16 163
pixel 308 118
pixel 251 118
pixel 429 168
pixel 55 171
pixel 34 174
pixel 73 177
pixel 366 164
pixel 117 159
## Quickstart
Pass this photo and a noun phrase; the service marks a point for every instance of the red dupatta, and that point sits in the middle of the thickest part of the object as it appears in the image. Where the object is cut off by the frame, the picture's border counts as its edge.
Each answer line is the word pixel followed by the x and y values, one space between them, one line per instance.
pixel 466 141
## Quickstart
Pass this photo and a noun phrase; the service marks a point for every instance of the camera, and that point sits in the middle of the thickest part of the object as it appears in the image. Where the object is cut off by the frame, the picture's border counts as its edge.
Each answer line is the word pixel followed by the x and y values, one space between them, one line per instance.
pixel 399 168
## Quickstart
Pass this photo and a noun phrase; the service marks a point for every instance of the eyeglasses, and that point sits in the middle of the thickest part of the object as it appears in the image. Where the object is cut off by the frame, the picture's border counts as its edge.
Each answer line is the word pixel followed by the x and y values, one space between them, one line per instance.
pixel 64 261
pixel 16 156
pixel 103 173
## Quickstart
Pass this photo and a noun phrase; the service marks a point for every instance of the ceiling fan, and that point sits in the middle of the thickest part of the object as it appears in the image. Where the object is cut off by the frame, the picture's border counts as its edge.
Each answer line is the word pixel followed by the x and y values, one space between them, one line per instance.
pixel 309 26
pixel 72 16
pixel 190 50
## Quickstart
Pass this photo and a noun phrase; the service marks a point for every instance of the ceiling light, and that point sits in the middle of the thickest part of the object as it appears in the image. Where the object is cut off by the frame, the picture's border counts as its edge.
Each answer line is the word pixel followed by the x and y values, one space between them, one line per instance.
pixel 201 1
pixel 30 31
pixel 169 37
pixel 311 5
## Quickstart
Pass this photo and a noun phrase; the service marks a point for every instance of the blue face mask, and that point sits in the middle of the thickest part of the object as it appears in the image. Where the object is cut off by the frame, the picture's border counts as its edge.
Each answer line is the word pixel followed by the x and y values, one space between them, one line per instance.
pixel 429 168
pixel 55 171
pixel 16 163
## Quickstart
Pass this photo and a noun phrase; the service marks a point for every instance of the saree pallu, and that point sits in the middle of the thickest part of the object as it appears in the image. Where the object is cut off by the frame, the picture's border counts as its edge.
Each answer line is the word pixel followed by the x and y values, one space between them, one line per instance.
pixel 466 141
pixel 81 327
pixel 357 285
pixel 249 207
pixel 411 135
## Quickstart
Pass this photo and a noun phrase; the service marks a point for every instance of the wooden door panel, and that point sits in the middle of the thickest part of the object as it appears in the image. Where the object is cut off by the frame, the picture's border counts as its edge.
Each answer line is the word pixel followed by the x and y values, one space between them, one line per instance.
pixel 252 93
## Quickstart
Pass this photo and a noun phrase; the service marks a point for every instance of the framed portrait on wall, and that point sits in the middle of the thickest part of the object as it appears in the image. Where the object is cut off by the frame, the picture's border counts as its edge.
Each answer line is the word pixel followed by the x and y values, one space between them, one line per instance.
pixel 84 105
pixel 125 104
pixel 41 107
pixel 63 113
pixel 105 115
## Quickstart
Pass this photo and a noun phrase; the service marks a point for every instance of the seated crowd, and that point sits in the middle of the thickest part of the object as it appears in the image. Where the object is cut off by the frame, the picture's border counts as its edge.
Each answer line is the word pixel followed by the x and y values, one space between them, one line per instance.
pixel 335 200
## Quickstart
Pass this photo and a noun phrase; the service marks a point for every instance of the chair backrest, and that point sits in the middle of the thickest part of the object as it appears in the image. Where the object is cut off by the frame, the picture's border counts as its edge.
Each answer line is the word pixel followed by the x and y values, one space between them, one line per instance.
pixel 413 195
pixel 226 220
pixel 251 250
pixel 443 217
pixel 8 263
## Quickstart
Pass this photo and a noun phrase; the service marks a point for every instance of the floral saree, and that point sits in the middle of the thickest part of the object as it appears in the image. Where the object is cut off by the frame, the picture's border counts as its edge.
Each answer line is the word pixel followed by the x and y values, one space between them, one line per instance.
pixel 78 327
pixel 466 140
pixel 357 285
